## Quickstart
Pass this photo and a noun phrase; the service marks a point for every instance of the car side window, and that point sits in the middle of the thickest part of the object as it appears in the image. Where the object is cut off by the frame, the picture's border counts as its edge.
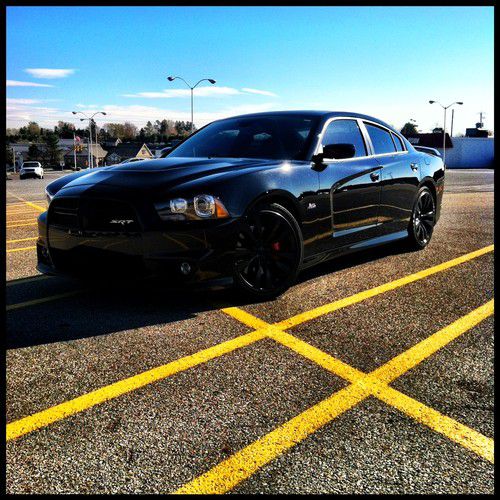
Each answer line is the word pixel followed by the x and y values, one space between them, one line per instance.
pixel 398 142
pixel 345 132
pixel 381 139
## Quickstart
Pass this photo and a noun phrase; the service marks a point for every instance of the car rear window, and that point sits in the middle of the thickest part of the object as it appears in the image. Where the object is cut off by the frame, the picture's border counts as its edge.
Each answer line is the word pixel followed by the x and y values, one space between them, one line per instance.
pixel 398 142
pixel 381 140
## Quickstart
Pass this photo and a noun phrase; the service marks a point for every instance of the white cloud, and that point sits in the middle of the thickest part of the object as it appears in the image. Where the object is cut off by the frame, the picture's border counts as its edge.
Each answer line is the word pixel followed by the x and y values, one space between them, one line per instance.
pixel 11 101
pixel 199 92
pixel 139 115
pixel 205 91
pixel 260 92
pixel 16 83
pixel 49 73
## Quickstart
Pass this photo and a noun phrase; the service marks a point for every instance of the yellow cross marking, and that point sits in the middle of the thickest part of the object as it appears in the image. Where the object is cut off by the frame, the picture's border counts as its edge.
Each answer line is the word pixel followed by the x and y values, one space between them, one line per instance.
pixel 244 463
pixel 240 466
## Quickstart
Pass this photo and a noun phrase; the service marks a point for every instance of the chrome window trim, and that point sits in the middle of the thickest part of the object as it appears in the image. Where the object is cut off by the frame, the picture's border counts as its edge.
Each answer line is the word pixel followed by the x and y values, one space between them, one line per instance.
pixel 375 124
pixel 319 147
pixel 365 136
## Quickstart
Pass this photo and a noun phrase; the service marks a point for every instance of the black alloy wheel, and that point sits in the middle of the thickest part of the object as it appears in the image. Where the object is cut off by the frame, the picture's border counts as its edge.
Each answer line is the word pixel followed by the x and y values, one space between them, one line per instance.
pixel 422 220
pixel 268 252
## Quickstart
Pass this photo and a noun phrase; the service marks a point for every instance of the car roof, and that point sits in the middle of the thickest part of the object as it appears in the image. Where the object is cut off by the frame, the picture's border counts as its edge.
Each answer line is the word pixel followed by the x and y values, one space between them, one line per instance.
pixel 313 113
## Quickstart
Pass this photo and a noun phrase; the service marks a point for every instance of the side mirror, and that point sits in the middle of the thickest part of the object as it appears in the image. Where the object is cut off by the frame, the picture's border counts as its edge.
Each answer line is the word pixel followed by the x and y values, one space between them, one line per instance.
pixel 338 151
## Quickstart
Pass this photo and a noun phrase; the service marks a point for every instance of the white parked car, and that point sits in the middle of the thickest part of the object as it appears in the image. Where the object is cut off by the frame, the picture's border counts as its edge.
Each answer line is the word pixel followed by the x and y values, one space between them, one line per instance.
pixel 31 169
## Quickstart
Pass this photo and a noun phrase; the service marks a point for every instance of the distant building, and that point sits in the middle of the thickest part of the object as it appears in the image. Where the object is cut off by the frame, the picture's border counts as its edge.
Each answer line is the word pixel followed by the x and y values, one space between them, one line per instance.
pixel 471 152
pixel 475 132
pixel 125 151
pixel 432 140
pixel 82 157
pixel 111 143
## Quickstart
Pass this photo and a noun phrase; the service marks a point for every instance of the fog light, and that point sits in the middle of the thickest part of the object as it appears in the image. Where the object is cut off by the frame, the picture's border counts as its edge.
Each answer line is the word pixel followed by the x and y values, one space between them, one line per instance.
pixel 178 206
pixel 185 268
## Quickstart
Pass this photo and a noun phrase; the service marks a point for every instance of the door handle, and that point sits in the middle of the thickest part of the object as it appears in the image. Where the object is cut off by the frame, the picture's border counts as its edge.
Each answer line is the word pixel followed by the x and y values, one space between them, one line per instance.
pixel 374 176
pixel 414 166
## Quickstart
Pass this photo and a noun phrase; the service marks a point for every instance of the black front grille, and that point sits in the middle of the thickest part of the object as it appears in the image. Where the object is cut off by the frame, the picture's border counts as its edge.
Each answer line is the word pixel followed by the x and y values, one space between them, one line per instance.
pixel 108 215
pixel 89 214
pixel 63 212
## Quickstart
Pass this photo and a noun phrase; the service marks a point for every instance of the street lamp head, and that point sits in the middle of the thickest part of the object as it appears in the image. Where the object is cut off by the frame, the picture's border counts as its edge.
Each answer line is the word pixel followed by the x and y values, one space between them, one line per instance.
pixel 211 81
pixel 81 119
pixel 74 112
pixel 459 102
pixel 171 78
pixel 432 102
pixel 103 112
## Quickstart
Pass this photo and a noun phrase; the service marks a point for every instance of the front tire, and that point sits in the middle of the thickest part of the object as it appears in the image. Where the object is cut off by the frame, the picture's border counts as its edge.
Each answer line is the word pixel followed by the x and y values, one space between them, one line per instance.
pixel 269 251
pixel 423 219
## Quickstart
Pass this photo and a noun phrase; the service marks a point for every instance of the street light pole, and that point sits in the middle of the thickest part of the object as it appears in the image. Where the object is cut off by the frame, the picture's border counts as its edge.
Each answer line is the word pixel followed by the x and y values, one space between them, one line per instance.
pixel 90 120
pixel 445 108
pixel 192 87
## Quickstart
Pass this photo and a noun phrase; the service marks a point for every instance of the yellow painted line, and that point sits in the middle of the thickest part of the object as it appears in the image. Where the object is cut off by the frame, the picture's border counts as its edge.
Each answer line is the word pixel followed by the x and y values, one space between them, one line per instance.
pixel 10 213
pixel 398 366
pixel 457 432
pixel 22 239
pixel 22 225
pixel 29 203
pixel 21 281
pixel 63 410
pixel 240 466
pixel 10 250
pixel 412 357
pixel 23 204
pixel 353 299
pixel 21 220
pixel 34 302
pixel 244 463
pixel 245 318
pixel 263 329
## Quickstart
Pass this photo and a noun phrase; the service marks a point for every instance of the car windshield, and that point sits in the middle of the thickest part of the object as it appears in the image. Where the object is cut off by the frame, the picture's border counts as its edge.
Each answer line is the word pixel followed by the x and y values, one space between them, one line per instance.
pixel 277 137
pixel 30 164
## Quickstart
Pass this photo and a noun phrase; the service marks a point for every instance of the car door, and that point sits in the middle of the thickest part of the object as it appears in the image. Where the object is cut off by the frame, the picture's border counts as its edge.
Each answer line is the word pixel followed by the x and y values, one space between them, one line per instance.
pixel 399 178
pixel 352 185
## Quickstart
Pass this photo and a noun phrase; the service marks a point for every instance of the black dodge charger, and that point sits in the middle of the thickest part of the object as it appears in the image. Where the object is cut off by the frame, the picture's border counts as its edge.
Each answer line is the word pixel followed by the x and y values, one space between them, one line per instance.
pixel 255 198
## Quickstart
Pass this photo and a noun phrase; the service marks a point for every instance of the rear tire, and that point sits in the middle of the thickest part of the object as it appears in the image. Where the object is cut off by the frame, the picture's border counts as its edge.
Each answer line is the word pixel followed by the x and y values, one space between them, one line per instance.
pixel 269 251
pixel 423 219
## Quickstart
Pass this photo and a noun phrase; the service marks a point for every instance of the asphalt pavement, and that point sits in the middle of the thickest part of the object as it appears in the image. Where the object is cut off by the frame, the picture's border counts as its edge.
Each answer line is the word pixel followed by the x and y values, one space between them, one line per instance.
pixel 373 374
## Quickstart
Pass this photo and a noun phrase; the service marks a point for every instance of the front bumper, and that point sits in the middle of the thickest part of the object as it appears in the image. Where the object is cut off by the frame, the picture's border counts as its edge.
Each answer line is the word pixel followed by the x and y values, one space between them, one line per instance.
pixel 30 173
pixel 208 248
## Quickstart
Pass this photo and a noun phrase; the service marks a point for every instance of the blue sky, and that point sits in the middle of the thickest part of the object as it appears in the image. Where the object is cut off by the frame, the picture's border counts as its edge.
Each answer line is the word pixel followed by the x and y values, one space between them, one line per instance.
pixel 383 61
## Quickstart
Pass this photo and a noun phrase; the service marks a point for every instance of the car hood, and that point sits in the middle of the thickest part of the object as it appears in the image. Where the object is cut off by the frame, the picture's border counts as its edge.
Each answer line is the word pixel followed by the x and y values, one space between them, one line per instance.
pixel 164 173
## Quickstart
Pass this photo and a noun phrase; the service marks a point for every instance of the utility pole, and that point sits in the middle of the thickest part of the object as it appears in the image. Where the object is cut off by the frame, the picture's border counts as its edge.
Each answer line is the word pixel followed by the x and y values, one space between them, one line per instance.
pixel 445 108
pixel 192 87
pixel 95 130
pixel 90 120
pixel 481 124
pixel 452 116
pixel 74 149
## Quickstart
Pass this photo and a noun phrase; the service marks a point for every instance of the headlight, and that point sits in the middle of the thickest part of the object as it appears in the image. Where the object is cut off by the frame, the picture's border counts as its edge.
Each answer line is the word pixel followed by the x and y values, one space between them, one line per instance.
pixel 49 196
pixel 202 206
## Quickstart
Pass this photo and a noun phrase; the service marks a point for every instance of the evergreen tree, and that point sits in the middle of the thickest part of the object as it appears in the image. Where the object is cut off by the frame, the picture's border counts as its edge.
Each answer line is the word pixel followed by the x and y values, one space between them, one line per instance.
pixel 34 153
pixel 52 151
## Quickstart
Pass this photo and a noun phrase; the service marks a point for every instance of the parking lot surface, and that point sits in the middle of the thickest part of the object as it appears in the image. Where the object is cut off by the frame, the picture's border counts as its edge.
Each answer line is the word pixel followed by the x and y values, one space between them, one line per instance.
pixel 373 374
